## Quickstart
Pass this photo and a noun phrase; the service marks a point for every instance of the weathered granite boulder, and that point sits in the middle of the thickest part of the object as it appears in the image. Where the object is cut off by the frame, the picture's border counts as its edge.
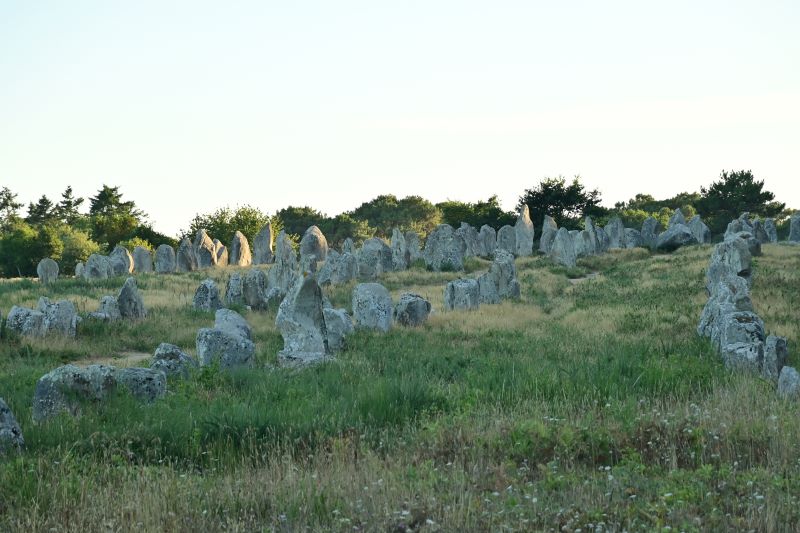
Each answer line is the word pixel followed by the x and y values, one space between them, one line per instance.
pixel 204 250
pixel 172 361
pixel 771 230
pixel 729 257
pixel 633 238
pixel 60 317
pixel 262 246
pixel 374 258
pixel 11 439
pixel 97 267
pixel 776 354
pixel 677 218
pixel 615 231
pixel 602 240
pixel 399 250
pixel 741 327
pixel 121 261
pixel 500 282
pixel 67 387
pixel 142 260
pixel 301 321
pixel 234 290
pixel 130 302
pixel 339 326
pixel 789 383
pixel 582 241
pixel 338 269
pixel 650 229
pixel 596 237
pixel 752 243
pixel 255 289
pixel 145 384
pixel 549 230
pixel 26 322
pixel 314 243
pixel 228 350
pixel 507 239
pixel 729 293
pixel 674 237
pixel 47 270
pixel 283 273
pixel 109 309
pixel 372 307
pixel 739 225
pixel 444 249
pixel 743 356
pixel 221 251
pixel 487 239
pixel 348 247
pixel 413 247
pixel 699 230
pixel 239 253
pixel 563 250
pixel 462 294
pixel 79 269
pixel 759 232
pixel 165 262
pixel 232 322
pixel 206 297
pixel 411 310
pixel 470 237
pixel 524 233
pixel 186 258
pixel 794 228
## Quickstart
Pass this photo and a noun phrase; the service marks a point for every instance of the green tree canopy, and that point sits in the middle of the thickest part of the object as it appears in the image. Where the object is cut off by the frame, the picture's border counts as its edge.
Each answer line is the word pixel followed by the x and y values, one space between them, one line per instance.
pixel 386 212
pixel 67 208
pixel 734 193
pixel 108 201
pixel 22 246
pixel 41 212
pixel 566 202
pixel 477 214
pixel 296 220
pixel 223 223
pixel 9 206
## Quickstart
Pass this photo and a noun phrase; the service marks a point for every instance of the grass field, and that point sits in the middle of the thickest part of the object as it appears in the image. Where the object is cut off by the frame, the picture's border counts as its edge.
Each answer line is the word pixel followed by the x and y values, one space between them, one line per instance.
pixel 590 405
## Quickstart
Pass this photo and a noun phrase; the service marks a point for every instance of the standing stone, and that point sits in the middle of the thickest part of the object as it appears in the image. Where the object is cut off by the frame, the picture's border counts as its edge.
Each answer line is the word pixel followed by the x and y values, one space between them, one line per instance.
pixel 234 292
pixel 206 297
pixel 549 230
pixel 221 252
pixel 339 326
pixel 413 248
pixel 372 307
pixel 172 361
pixel 142 260
pixel 794 228
pixel 338 268
pixel 130 301
pixel 10 433
pixel 582 242
pixel 283 273
pixel 348 247
pixel 314 243
pixel 563 249
pixel 226 344
pixel 232 322
pixel 26 322
pixel 67 387
pixel 239 254
pixel 462 294
pixel 597 245
pixel 776 355
pixel 470 237
pixel 488 240
pixel 165 259
pixel 374 258
pixel 399 251
pixel 204 250
pixel 730 257
pixel 650 229
pixel 739 225
pixel 262 246
pixel 500 282
pixel 79 269
pixel 145 384
pixel 675 237
pixel 121 260
pixel 444 249
pixel 524 232
pixel 615 231
pixel 771 230
pixel 186 258
pixel 759 232
pixel 699 230
pixel 97 267
pixel 677 218
pixel 301 321
pixel 507 239
pixel 633 238
pixel 60 317
pixel 47 270
pixel 108 311
pixel 255 289
pixel 602 240
pixel 789 384
pixel 411 310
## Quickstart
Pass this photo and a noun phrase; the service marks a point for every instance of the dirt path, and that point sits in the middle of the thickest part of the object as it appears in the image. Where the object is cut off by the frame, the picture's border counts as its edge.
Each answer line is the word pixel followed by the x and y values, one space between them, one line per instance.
pixel 123 359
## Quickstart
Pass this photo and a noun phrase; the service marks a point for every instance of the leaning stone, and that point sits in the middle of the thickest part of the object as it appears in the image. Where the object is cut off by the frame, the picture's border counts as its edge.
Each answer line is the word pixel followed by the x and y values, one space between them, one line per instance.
pixel 229 350
pixel 142 260
pixel 206 297
pixel 65 388
pixel 776 355
pixel 507 239
pixel 232 322
pixel 121 260
pixel 130 302
pixel 699 230
pixel 144 384
pixel 339 326
pixel 462 294
pixel 172 361
pixel 221 251
pixel 165 262
pixel 676 218
pixel 204 250
pixel 314 244
pixel 186 258
pixel 615 231
pixel 372 307
pixel 563 249
pixel 411 310
pixel 26 322
pixel 97 267
pixel 789 383
pixel 676 236
pixel 444 249
pixel 240 251
pixel 47 270
pixel 301 321
pixel 524 233
pixel 650 228
pixel 374 259
pixel 549 230
pixel 10 433
pixel 262 246
pixel 488 240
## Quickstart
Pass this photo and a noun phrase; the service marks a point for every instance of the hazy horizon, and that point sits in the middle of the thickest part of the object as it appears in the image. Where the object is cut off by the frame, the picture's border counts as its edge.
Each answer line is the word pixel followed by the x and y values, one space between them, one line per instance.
pixel 192 106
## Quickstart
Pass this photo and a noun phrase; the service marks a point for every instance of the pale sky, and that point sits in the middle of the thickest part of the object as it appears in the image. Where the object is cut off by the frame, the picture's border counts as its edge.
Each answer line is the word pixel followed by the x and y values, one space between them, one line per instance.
pixel 191 105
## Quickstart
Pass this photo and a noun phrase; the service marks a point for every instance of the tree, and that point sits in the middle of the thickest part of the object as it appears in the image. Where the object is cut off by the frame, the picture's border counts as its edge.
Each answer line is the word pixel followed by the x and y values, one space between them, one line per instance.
pixel 296 220
pixel 42 212
pixel 223 223
pixel 22 247
pixel 734 193
pixel 111 219
pixel 109 202
pixel 566 202
pixel 77 246
pixel 477 214
pixel 8 207
pixel 386 212
pixel 67 208
pixel 342 226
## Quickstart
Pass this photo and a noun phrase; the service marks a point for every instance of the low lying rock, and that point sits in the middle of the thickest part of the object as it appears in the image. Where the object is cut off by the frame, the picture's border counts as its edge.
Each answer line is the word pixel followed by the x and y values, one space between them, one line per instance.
pixel 206 297
pixel 145 384
pixel 339 325
pixel 676 236
pixel 172 361
pixel 789 383
pixel 108 311
pixel 462 294
pixel 97 267
pixel 230 351
pixel 411 310
pixel 10 433
pixel 372 307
